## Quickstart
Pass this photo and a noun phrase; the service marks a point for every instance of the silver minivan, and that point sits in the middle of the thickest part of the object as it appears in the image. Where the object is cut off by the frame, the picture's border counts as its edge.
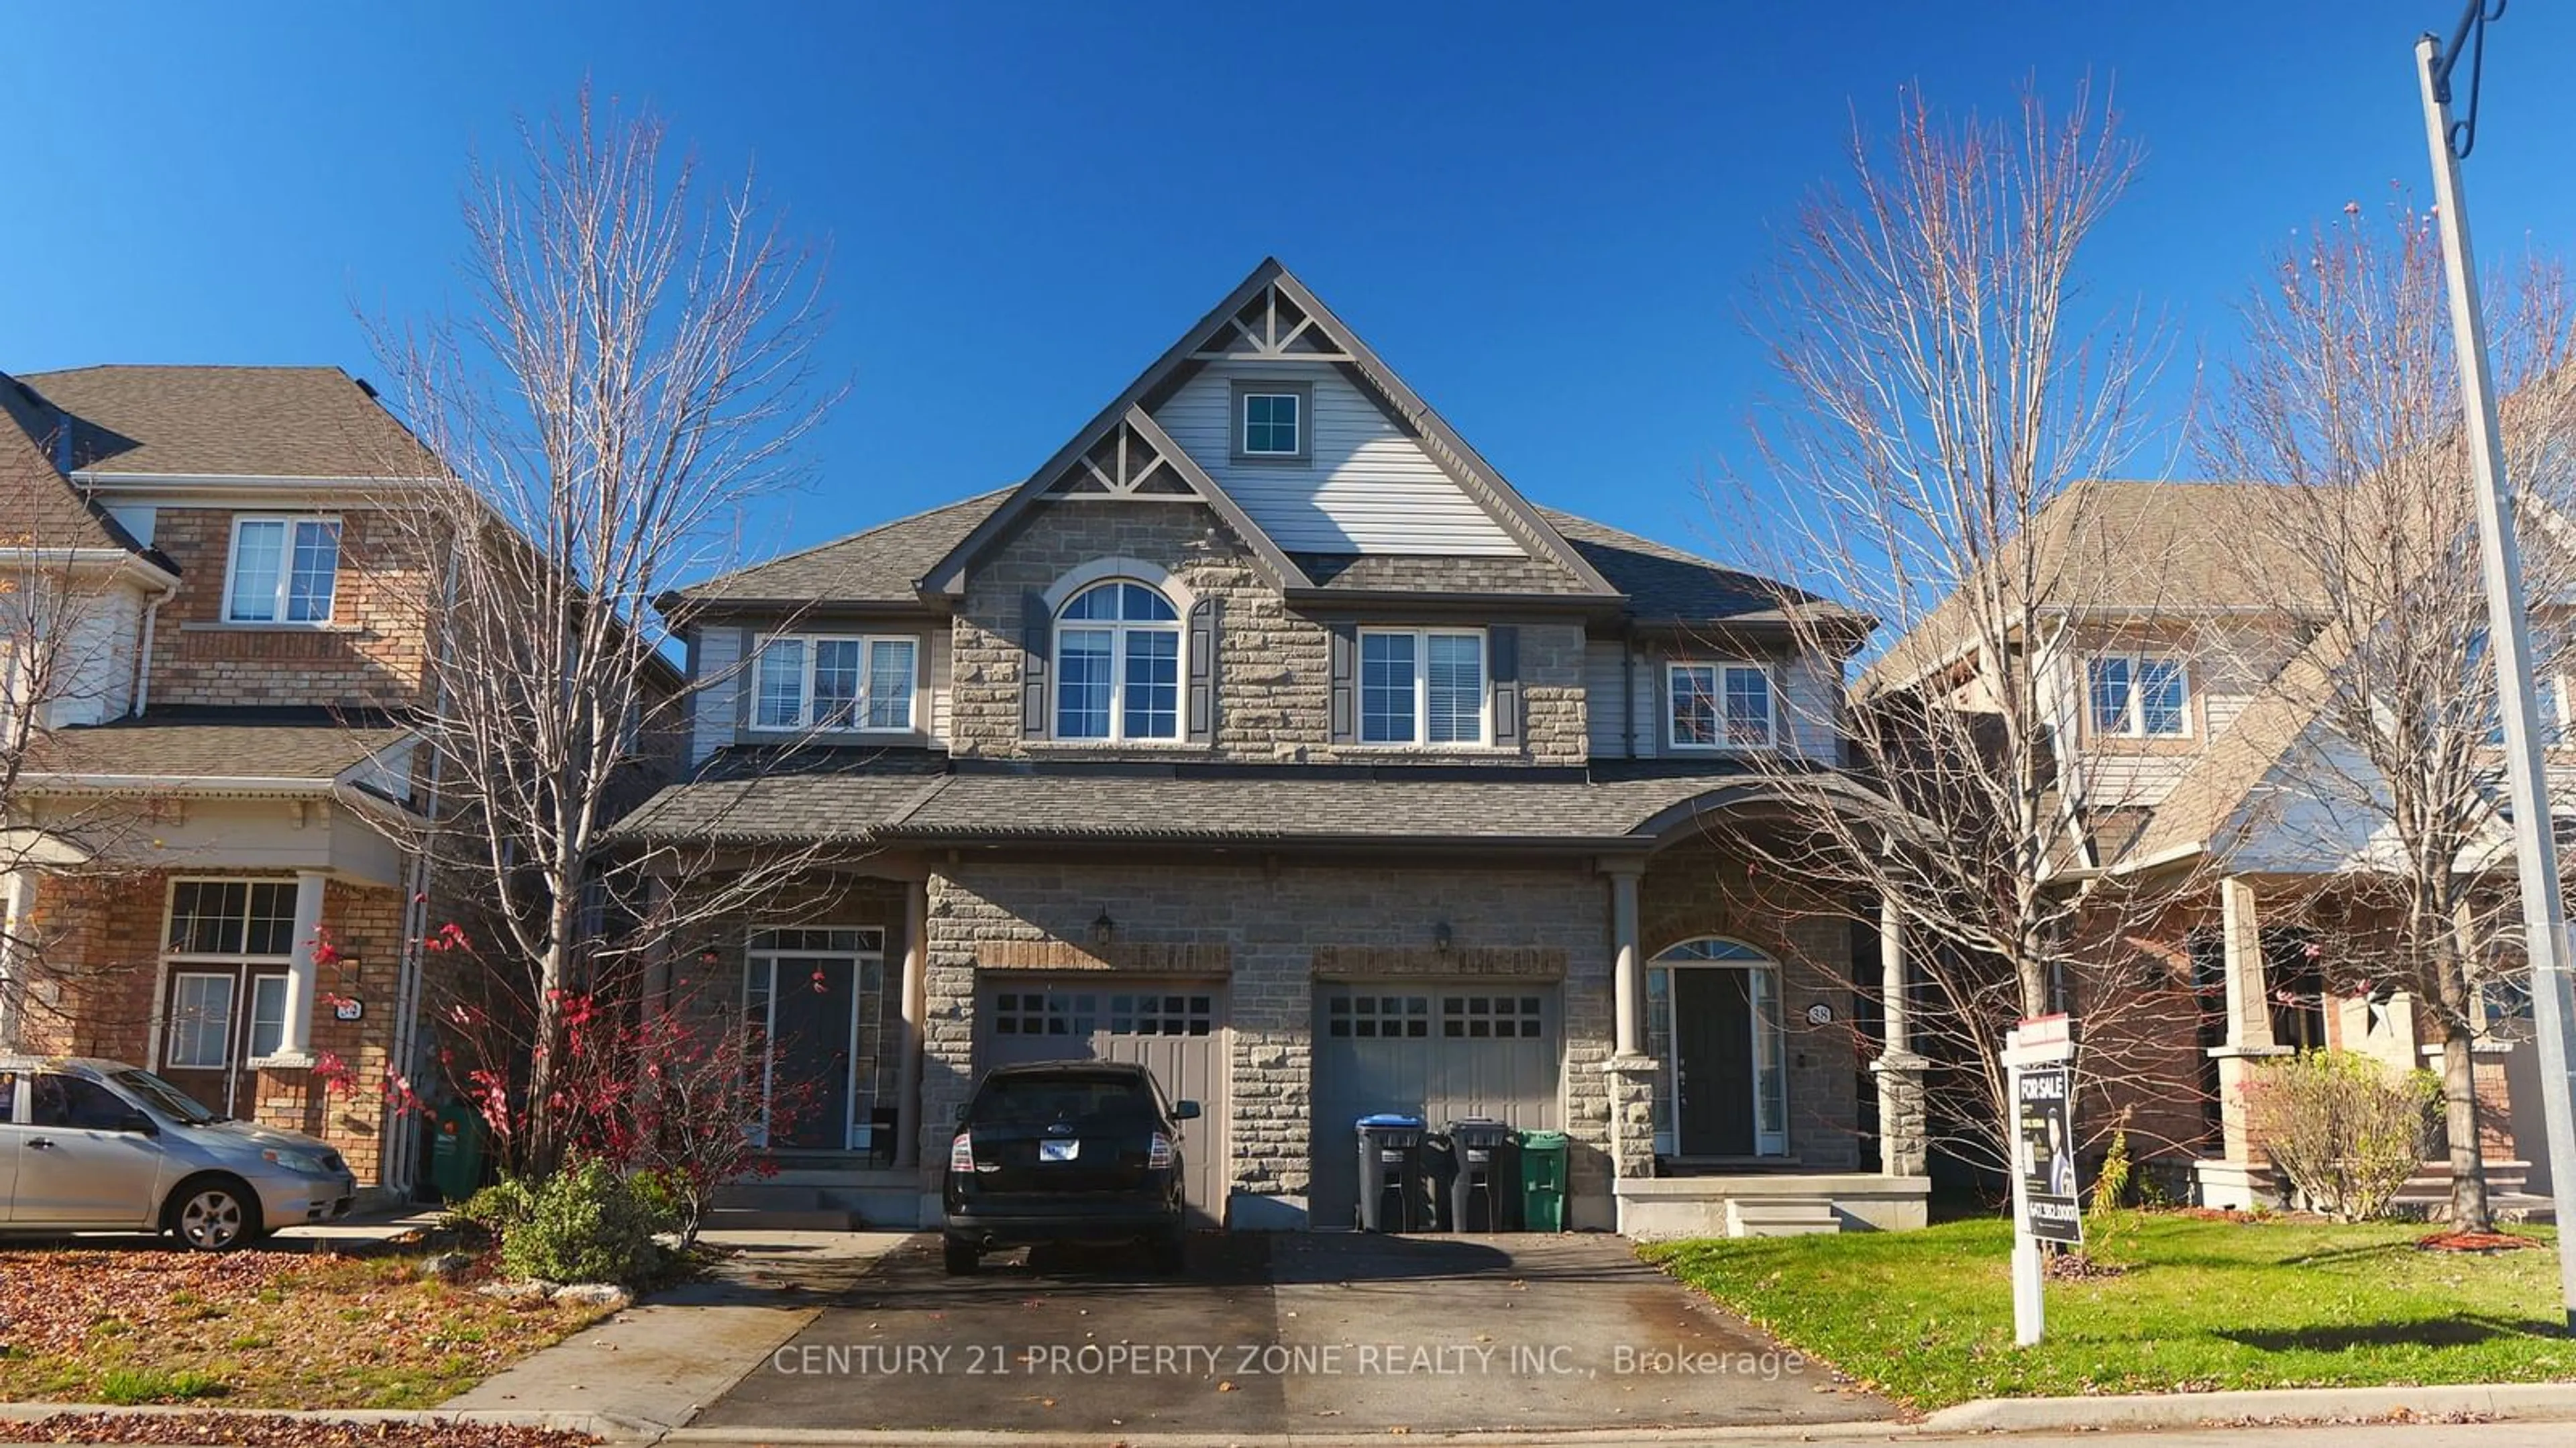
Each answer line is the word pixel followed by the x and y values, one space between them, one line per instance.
pixel 100 1146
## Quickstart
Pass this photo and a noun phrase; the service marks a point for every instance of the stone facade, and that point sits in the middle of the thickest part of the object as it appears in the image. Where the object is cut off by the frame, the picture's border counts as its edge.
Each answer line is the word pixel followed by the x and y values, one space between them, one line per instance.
pixel 1273 662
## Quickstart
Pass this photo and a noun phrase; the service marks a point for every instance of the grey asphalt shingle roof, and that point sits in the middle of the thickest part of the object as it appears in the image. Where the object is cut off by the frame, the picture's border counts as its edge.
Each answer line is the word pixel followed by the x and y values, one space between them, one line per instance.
pixel 278 422
pixel 1415 573
pixel 1286 807
pixel 39 507
pixel 876 566
pixel 212 745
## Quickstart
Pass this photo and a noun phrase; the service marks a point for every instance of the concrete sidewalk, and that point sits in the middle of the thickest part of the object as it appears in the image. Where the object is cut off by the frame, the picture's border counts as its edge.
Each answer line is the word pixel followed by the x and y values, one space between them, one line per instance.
pixel 653 1366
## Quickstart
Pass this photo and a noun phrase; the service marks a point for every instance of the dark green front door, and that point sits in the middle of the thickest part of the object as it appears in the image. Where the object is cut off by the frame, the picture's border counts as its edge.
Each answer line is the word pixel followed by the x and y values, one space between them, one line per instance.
pixel 1713 1062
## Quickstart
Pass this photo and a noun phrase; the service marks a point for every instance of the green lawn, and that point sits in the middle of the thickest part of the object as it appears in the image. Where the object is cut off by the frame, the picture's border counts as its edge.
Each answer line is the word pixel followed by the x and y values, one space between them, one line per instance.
pixel 2205 1305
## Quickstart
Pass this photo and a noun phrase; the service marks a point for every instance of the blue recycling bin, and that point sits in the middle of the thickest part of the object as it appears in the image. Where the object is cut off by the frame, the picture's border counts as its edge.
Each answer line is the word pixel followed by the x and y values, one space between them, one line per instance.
pixel 1390 1173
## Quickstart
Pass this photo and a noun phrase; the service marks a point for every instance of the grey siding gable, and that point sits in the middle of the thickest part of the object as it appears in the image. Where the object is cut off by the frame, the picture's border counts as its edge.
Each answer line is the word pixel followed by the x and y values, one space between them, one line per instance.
pixel 1365 485
pixel 715 653
pixel 1604 688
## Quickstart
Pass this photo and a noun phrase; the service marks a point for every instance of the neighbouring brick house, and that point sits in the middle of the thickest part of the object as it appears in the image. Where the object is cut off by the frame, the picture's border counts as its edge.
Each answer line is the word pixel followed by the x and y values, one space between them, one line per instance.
pixel 202 878
pixel 2212 818
pixel 1266 735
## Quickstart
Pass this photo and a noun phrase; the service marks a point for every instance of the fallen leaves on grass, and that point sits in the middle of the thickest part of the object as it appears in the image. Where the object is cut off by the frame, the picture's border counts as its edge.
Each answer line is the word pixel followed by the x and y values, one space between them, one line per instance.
pixel 259 1329
pixel 273 1430
pixel 2473 1242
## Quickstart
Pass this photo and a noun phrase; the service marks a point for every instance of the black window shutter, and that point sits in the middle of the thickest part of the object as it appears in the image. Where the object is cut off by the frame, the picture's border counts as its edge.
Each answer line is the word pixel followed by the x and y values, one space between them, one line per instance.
pixel 1036 631
pixel 1203 616
pixel 1503 662
pixel 1346 653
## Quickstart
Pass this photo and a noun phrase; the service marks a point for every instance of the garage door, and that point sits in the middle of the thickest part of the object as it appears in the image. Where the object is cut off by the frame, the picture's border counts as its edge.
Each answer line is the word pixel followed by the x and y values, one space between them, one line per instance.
pixel 1439 1050
pixel 1176 1029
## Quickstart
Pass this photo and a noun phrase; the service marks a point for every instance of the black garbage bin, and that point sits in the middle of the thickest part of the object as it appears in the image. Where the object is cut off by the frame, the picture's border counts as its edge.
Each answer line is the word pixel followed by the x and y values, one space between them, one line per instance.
pixel 1487 1186
pixel 1390 1173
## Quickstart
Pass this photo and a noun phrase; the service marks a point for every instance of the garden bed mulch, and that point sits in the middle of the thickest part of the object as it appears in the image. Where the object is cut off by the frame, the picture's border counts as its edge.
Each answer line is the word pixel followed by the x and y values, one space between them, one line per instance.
pixel 277 1430
pixel 2474 1242
pixel 260 1329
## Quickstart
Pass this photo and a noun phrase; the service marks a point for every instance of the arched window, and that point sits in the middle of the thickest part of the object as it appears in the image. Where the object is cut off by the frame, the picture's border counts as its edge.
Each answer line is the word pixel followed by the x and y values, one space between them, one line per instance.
pixel 1118 664
pixel 1713 1020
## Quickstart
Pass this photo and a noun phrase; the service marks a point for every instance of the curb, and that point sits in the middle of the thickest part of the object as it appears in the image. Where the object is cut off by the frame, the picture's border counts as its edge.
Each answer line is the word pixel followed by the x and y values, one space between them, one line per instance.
pixel 2530 1402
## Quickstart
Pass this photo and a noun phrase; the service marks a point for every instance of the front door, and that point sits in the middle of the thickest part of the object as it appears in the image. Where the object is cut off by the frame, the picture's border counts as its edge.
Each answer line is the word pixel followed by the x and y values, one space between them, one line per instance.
pixel 221 1019
pixel 1713 1062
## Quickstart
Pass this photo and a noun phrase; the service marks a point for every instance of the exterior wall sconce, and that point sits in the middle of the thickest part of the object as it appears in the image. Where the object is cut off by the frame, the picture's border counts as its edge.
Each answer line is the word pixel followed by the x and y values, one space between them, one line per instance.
pixel 1441 936
pixel 1102 929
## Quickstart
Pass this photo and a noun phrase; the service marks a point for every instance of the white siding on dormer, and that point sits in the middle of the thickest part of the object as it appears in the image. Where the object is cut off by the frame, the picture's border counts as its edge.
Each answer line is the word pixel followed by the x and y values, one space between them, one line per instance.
pixel 92 678
pixel 719 661
pixel 1366 487
pixel 1811 691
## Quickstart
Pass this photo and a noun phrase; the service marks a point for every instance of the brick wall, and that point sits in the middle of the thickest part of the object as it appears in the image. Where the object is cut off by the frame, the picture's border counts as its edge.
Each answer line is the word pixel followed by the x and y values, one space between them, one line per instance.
pixel 370 654
pixel 1274 663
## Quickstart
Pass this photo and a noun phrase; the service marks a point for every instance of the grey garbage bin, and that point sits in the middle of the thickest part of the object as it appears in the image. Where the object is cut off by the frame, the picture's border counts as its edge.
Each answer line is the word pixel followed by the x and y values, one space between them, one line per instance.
pixel 1487 1186
pixel 1390 1173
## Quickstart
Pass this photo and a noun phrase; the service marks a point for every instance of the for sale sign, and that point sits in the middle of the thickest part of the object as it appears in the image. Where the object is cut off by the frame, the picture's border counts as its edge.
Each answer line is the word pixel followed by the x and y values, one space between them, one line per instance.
pixel 2050 1211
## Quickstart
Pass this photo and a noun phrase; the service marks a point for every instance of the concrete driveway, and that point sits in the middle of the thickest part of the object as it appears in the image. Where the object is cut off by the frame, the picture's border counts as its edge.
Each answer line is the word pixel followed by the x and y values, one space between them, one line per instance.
pixel 1314 1333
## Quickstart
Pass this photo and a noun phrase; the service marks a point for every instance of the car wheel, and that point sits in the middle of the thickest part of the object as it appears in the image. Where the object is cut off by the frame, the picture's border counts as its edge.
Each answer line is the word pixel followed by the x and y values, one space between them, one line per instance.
pixel 960 1256
pixel 214 1214
pixel 1171 1250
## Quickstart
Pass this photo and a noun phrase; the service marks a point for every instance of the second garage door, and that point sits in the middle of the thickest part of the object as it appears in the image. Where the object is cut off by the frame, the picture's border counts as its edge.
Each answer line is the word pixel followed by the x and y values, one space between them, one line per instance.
pixel 1436 1049
pixel 1176 1029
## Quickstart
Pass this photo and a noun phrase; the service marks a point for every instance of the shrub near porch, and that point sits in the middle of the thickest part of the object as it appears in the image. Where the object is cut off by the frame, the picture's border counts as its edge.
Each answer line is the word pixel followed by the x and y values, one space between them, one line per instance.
pixel 2203 1306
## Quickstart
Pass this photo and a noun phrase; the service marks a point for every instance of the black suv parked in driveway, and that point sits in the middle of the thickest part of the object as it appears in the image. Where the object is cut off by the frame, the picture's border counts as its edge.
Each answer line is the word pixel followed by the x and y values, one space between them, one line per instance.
pixel 1066 1151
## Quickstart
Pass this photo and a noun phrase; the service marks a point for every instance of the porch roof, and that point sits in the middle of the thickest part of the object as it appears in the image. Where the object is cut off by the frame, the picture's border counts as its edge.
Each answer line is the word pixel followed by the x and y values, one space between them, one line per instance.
pixel 818 802
pixel 211 746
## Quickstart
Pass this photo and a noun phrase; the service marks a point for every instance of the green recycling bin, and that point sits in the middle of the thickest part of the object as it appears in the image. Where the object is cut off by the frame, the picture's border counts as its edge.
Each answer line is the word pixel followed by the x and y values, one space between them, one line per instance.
pixel 456 1152
pixel 1542 1181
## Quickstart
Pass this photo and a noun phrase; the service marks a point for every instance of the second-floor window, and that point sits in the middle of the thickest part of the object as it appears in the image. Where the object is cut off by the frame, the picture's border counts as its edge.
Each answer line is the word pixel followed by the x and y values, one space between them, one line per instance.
pixel 1422 686
pixel 1720 706
pixel 2138 696
pixel 1118 664
pixel 825 681
pixel 284 570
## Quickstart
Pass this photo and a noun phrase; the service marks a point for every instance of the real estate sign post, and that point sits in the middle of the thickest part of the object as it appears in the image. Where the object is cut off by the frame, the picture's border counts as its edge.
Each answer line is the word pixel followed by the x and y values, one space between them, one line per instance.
pixel 2039 1069
pixel 2553 1005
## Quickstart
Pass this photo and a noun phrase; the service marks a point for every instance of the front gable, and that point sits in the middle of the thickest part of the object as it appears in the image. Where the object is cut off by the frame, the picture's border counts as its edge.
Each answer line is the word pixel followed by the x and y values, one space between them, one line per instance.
pixel 1375 470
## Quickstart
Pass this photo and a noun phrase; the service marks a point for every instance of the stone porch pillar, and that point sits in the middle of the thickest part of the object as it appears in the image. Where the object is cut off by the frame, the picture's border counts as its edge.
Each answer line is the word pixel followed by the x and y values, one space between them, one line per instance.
pixel 1904 1131
pixel 1628 965
pixel 2238 1178
pixel 295 1042
pixel 916 998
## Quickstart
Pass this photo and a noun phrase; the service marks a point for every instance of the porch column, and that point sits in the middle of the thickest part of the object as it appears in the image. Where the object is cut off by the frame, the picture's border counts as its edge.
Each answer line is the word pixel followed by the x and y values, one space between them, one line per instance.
pixel 2239 1177
pixel 18 891
pixel 1628 966
pixel 916 995
pixel 1904 1144
pixel 295 1043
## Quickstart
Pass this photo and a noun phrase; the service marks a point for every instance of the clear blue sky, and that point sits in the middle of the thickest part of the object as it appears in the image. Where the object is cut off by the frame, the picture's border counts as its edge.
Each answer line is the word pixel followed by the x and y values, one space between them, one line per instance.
pixel 1544 216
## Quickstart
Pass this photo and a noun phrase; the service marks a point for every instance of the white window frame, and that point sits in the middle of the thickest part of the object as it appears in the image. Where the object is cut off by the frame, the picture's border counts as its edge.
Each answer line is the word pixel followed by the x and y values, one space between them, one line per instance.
pixel 232 981
pixel 2133 726
pixel 285 569
pixel 760 993
pixel 804 721
pixel 1722 740
pixel 1247 388
pixel 1118 629
pixel 1422 638
pixel 246 967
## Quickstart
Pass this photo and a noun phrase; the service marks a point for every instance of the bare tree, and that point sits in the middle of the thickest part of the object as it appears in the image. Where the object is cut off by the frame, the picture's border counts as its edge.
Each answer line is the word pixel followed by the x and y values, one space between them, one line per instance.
pixel 634 369
pixel 1943 391
pixel 2346 395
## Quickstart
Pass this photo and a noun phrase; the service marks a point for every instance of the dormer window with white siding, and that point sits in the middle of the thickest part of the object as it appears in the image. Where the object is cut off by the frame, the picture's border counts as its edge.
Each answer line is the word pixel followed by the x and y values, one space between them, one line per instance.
pixel 1271 421
pixel 1720 706
pixel 1423 686
pixel 2138 696
pixel 836 682
pixel 283 570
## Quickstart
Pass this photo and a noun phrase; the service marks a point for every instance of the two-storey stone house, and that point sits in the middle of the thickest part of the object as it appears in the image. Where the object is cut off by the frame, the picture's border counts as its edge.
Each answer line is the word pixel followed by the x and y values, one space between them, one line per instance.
pixel 214 630
pixel 1267 735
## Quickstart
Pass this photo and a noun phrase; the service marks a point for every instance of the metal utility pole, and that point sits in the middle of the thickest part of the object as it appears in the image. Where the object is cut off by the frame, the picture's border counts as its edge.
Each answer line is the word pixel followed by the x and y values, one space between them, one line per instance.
pixel 2544 912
